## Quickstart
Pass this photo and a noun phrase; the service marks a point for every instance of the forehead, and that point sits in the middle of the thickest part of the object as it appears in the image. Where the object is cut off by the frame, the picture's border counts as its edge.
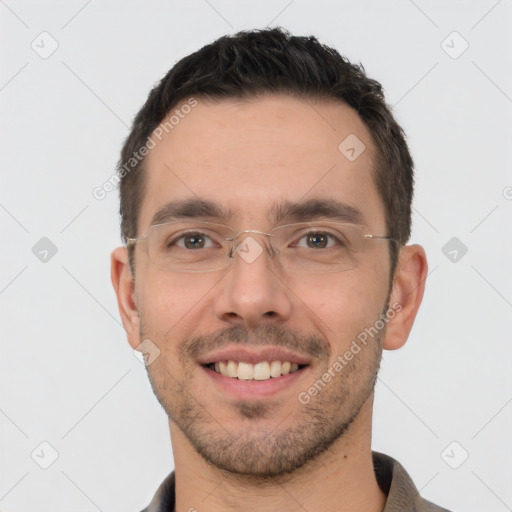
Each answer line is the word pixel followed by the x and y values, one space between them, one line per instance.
pixel 250 156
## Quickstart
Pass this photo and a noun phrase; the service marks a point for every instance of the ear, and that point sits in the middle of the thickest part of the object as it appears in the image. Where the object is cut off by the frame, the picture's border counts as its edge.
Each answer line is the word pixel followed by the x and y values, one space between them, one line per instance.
pixel 406 295
pixel 124 286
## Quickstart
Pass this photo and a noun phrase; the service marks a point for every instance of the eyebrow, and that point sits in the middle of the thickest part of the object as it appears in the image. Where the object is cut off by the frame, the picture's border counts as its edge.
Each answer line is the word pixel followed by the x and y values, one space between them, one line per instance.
pixel 286 211
pixel 315 208
pixel 193 208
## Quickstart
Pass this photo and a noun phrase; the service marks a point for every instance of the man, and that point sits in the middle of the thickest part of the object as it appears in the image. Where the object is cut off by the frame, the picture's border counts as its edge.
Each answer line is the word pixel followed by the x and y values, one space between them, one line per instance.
pixel 266 203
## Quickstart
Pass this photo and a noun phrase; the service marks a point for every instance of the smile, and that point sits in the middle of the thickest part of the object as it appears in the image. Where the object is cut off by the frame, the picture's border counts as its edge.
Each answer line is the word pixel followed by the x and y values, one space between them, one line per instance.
pixel 263 370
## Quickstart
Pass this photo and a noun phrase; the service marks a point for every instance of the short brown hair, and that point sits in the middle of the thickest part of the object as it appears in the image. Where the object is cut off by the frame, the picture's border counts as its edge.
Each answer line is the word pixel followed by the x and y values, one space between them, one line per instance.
pixel 251 63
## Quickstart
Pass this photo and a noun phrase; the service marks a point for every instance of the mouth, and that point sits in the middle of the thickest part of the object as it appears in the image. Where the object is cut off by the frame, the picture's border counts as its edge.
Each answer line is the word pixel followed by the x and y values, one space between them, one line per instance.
pixel 254 372
pixel 258 371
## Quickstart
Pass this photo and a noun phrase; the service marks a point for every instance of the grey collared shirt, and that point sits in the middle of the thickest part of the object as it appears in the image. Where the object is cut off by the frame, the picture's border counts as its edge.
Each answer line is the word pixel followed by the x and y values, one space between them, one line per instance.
pixel 402 495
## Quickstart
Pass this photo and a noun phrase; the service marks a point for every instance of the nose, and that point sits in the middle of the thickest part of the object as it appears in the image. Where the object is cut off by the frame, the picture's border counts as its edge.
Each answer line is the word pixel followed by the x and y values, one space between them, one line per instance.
pixel 254 290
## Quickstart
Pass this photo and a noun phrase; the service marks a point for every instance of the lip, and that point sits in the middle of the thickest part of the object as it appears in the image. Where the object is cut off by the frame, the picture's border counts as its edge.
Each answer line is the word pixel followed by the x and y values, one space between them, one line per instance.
pixel 253 356
pixel 253 389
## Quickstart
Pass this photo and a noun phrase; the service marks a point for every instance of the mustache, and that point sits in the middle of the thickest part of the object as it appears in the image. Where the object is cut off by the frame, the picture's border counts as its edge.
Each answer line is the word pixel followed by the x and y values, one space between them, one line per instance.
pixel 275 335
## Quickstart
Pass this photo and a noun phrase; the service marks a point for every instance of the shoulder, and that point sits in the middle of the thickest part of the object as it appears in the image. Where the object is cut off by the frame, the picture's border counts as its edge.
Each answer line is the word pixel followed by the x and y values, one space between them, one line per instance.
pixel 396 483
pixel 164 498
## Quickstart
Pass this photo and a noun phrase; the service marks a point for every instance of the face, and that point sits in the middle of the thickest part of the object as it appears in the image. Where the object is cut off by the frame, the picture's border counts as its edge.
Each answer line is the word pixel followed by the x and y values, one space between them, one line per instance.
pixel 252 159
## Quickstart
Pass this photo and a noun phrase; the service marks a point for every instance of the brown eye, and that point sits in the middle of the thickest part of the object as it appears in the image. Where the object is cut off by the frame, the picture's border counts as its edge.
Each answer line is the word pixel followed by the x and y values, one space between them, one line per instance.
pixel 317 240
pixel 194 241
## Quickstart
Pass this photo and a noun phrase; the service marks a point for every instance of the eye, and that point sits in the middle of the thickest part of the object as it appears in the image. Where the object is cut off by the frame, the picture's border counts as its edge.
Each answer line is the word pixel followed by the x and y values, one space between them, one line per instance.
pixel 318 240
pixel 192 240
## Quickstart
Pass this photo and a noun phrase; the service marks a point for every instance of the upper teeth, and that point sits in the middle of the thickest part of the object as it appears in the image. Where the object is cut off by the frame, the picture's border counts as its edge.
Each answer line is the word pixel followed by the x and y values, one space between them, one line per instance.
pixel 259 371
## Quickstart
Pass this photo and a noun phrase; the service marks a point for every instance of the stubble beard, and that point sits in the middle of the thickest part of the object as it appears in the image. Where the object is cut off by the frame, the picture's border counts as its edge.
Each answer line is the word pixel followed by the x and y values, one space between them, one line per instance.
pixel 269 445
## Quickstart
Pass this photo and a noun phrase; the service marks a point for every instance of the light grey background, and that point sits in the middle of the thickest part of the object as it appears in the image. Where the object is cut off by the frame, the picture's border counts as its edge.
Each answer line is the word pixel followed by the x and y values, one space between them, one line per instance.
pixel 69 377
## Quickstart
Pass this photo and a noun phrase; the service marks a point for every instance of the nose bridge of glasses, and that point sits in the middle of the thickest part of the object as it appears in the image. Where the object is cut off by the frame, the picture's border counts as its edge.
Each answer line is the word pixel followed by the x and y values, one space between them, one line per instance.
pixel 244 241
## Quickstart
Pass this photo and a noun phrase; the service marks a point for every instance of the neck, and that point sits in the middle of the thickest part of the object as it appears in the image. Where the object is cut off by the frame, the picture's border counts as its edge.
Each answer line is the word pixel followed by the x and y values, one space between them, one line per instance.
pixel 342 479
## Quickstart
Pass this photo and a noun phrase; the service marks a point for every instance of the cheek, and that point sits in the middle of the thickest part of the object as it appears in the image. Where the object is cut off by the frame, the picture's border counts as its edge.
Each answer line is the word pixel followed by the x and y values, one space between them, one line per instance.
pixel 344 305
pixel 171 303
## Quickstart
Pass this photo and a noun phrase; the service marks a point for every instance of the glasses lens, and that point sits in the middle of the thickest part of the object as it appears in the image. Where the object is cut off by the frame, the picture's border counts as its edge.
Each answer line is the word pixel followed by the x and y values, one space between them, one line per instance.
pixel 322 247
pixel 189 247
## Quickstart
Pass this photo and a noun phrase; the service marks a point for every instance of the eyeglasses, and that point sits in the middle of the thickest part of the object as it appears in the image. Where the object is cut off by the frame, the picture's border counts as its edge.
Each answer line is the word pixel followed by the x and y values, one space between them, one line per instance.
pixel 310 247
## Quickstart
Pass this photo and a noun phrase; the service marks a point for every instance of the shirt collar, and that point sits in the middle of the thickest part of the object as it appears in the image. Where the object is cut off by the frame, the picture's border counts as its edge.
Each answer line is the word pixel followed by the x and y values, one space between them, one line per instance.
pixel 392 478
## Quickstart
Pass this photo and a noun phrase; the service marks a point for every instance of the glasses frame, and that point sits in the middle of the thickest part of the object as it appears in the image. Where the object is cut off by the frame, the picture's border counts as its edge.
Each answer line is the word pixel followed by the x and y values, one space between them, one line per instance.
pixel 132 241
